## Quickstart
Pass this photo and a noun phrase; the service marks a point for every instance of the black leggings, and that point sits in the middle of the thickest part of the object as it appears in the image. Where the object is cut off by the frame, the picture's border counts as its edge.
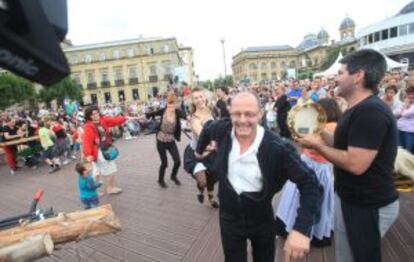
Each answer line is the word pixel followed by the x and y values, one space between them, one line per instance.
pixel 210 183
pixel 162 148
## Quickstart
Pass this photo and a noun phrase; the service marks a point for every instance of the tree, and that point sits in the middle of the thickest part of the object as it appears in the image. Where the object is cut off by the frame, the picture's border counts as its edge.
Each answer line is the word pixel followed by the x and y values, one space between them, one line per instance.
pixel 330 58
pixel 15 90
pixel 67 88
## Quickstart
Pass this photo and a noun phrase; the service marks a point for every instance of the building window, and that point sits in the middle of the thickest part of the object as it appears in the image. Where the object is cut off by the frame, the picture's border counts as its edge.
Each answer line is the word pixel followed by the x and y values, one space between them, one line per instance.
pixel 253 66
pixel 130 53
pixel 393 32
pixel 117 73
pixel 102 57
pixel 108 97
pixel 135 94
pixel 376 36
pixel 274 76
pixel 151 50
pixel 263 66
pixel 370 38
pixel 116 54
pixel 283 64
pixel 76 78
pixel 402 30
pixel 273 65
pixel 153 70
pixel 74 60
pixel 88 58
pixel 411 28
pixel 132 72
pixel 384 34
pixel 94 99
pixel 166 48
pixel 90 77
pixel 121 96
pixel 292 64
pixel 104 75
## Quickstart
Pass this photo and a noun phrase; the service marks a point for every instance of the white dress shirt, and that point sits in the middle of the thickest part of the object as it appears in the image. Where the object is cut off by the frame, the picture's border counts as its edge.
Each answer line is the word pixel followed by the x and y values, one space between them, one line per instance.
pixel 243 170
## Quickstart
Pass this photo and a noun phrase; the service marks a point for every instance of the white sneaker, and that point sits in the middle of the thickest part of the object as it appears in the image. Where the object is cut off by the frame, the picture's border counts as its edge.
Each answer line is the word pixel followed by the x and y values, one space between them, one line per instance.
pixel 65 162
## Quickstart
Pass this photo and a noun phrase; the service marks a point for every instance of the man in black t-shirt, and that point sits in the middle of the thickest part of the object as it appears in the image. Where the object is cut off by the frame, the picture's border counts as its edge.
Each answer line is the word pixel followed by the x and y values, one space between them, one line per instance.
pixel 363 151
pixel 223 102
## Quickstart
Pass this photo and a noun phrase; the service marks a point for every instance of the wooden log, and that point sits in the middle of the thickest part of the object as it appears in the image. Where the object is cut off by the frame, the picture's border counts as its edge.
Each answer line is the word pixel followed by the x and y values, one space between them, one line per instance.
pixel 29 249
pixel 64 228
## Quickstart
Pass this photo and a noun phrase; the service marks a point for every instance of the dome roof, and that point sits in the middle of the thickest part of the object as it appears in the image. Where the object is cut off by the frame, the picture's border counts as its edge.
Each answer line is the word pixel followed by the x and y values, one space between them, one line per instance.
pixel 323 34
pixel 347 23
pixel 409 8
pixel 309 41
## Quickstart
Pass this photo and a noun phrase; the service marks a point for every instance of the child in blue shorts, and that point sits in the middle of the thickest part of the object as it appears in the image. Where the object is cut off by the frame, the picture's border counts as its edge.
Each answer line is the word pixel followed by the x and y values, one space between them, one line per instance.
pixel 87 185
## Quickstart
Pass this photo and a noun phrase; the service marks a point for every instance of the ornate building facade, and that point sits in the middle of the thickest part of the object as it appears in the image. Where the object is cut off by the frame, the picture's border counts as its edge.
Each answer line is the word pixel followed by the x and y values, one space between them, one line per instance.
pixel 267 63
pixel 125 70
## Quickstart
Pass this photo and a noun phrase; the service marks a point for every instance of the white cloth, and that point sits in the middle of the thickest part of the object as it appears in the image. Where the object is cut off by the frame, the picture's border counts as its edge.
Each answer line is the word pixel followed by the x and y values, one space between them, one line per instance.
pixel 243 170
pixel 103 167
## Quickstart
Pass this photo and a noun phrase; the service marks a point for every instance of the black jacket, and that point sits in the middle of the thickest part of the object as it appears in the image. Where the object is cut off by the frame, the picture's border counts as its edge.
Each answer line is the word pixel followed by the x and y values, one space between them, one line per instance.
pixel 278 161
pixel 178 114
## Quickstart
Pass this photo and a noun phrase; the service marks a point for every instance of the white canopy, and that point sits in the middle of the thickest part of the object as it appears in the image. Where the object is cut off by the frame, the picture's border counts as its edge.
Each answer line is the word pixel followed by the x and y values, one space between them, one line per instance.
pixel 333 69
pixel 392 64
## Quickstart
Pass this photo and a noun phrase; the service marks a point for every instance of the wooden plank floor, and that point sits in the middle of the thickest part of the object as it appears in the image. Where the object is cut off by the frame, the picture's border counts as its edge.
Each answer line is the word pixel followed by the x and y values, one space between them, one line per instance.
pixel 158 225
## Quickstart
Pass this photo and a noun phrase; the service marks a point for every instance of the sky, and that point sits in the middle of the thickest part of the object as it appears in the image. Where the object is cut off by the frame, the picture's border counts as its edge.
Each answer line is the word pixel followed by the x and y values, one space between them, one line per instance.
pixel 201 24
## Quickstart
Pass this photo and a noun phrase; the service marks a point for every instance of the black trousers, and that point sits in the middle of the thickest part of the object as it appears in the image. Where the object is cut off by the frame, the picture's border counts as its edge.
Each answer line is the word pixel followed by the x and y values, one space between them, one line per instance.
pixel 162 149
pixel 234 235
pixel 282 123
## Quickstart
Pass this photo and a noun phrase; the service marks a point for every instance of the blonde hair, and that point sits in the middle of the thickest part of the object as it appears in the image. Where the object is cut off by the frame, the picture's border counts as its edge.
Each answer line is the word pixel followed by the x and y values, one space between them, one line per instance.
pixel 195 90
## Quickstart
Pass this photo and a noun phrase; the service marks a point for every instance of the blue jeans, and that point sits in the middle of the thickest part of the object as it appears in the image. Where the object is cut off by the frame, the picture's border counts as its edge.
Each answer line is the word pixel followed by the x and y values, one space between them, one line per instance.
pixel 406 140
pixel 387 216
pixel 90 202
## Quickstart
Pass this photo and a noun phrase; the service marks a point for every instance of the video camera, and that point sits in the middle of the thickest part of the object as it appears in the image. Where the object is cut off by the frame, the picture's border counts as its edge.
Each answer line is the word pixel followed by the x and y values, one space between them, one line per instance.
pixel 30 36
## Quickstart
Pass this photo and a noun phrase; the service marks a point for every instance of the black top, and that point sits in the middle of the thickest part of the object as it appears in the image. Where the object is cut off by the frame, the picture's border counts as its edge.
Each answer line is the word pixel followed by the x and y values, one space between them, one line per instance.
pixel 370 125
pixel 278 162
pixel 222 106
pixel 282 105
pixel 10 131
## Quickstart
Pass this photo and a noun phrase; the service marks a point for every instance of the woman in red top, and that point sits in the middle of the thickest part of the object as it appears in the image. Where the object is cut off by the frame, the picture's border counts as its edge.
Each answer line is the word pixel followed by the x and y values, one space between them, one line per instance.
pixel 96 131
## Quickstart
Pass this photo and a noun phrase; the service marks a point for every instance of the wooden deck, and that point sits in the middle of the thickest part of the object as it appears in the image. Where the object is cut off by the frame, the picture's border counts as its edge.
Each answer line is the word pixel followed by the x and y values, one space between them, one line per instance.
pixel 158 225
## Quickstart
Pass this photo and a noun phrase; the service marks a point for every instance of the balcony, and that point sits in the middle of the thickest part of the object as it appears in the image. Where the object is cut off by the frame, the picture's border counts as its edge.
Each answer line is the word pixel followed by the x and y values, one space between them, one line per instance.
pixel 119 82
pixel 153 79
pixel 167 77
pixel 105 84
pixel 91 85
pixel 133 81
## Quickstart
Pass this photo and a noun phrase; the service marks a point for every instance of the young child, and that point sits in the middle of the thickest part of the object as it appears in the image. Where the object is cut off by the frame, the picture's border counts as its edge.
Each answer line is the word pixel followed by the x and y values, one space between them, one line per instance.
pixel 87 185
pixel 46 137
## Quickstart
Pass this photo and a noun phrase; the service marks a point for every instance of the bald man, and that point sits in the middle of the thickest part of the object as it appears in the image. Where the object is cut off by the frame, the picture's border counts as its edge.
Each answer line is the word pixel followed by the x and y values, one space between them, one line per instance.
pixel 252 165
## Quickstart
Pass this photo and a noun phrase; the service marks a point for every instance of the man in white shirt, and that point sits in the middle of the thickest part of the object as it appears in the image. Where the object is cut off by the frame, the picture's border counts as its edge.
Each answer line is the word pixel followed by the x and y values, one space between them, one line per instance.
pixel 252 165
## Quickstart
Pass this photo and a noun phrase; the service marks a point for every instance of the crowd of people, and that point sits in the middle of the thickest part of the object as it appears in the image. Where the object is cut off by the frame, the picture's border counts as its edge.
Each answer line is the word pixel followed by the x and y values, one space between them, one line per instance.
pixel 239 137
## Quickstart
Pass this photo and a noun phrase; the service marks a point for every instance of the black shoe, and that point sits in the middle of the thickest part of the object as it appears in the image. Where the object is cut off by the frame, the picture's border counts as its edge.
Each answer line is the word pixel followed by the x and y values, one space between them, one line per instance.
pixel 200 198
pixel 176 181
pixel 214 204
pixel 162 184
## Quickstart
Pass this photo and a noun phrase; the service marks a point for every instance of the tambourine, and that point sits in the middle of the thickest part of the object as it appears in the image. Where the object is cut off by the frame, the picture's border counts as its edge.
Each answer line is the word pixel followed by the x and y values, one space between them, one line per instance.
pixel 305 119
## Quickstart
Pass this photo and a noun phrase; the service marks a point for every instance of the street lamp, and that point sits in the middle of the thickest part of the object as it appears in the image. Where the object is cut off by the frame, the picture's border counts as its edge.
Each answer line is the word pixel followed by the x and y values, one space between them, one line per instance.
pixel 224 57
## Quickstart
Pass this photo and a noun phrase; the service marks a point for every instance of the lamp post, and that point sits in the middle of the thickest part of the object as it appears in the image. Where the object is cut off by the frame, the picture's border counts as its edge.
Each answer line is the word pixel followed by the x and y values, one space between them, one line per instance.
pixel 224 58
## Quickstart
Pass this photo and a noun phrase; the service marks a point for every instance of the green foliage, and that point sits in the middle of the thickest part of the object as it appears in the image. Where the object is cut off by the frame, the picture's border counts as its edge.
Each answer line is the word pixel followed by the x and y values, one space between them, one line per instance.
pixel 330 58
pixel 226 81
pixel 305 73
pixel 67 88
pixel 15 90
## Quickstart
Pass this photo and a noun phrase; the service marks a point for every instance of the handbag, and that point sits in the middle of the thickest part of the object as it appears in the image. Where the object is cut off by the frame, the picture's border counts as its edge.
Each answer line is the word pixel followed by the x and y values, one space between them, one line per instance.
pixel 109 152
